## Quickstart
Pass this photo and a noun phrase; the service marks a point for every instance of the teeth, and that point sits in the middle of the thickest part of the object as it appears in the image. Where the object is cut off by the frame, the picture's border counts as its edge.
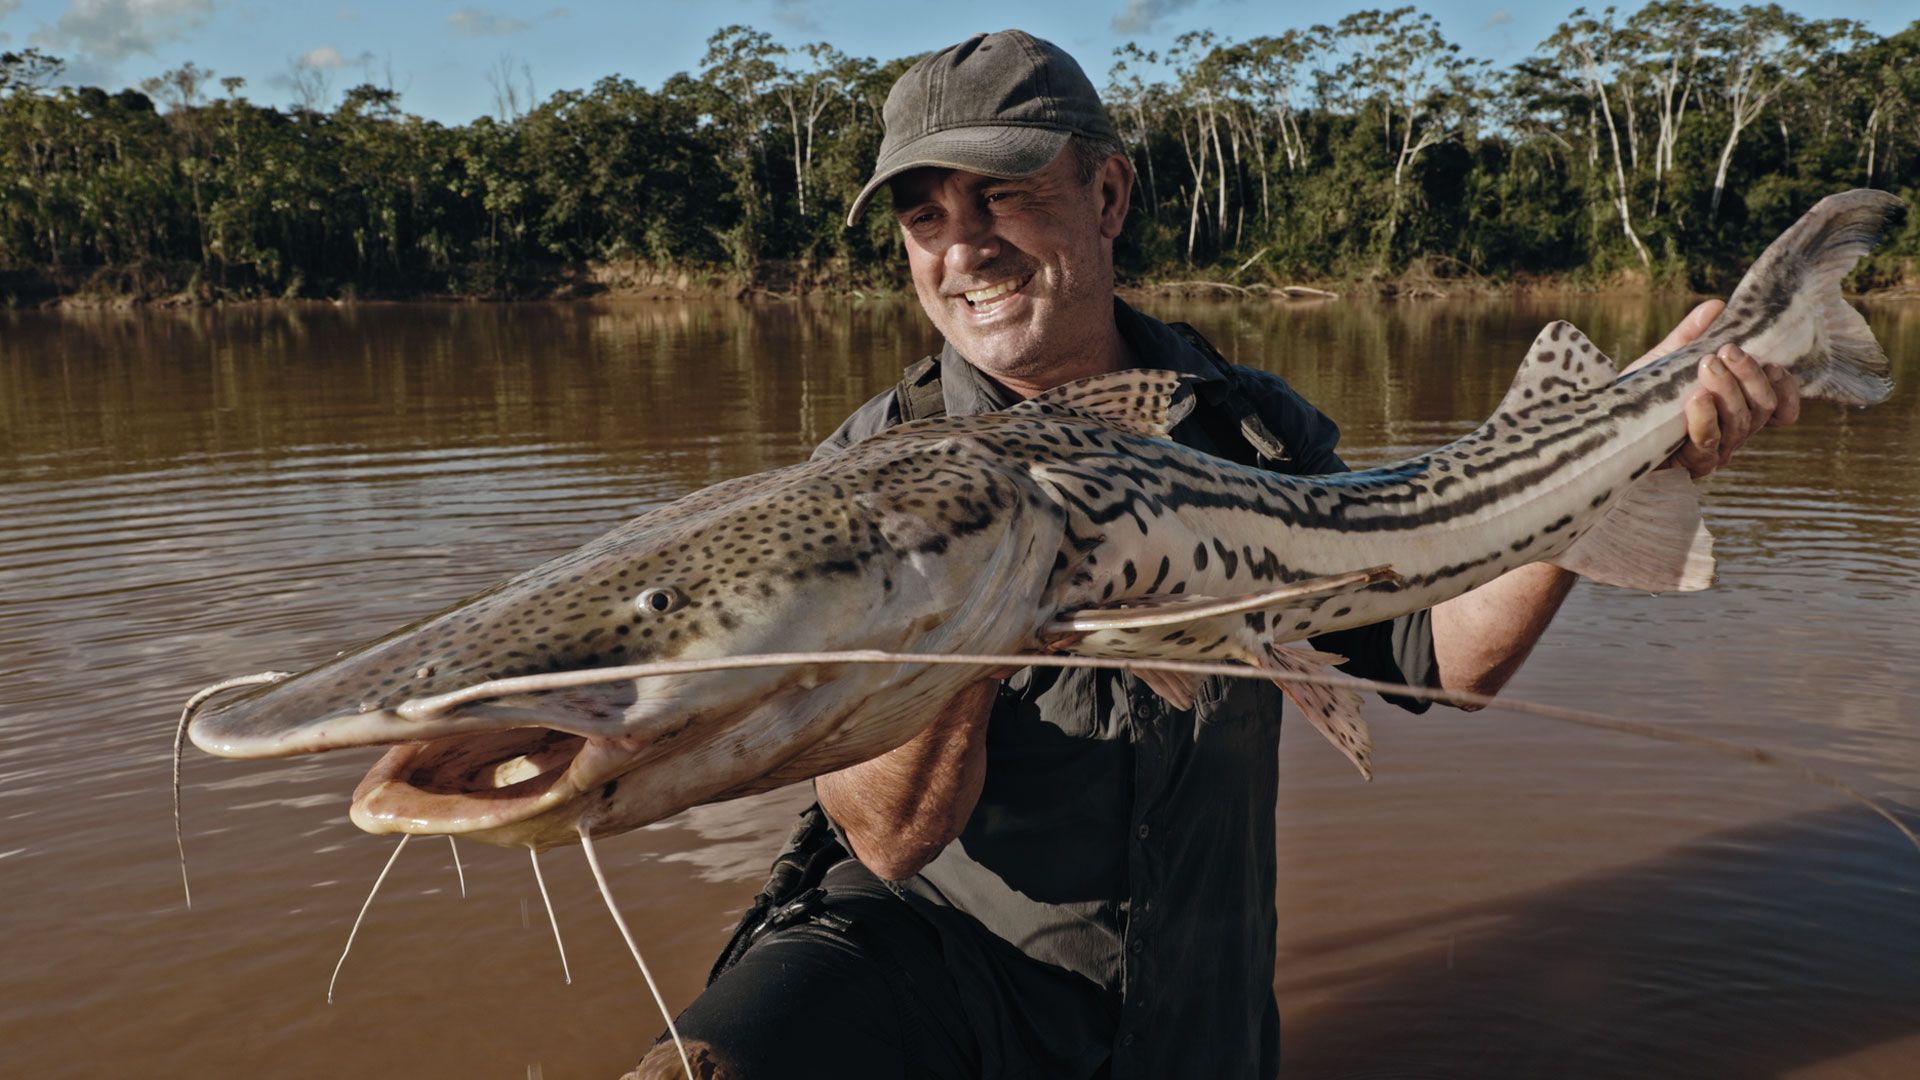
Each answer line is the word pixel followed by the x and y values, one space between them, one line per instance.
pixel 509 773
pixel 982 295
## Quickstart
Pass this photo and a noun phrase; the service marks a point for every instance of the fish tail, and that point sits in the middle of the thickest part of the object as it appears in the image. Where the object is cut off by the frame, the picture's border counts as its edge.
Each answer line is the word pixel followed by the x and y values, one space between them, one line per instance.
pixel 1797 313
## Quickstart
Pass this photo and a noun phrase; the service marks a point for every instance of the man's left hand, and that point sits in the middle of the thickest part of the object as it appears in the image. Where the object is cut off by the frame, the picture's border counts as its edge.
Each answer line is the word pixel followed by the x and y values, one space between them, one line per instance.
pixel 1737 396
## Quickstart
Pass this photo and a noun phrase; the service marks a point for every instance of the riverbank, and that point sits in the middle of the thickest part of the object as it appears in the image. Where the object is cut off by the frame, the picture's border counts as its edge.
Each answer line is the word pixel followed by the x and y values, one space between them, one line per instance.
pixel 185 285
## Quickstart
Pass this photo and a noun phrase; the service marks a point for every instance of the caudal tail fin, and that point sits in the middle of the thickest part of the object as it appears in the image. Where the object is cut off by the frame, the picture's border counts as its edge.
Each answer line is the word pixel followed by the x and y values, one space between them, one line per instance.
pixel 1798 279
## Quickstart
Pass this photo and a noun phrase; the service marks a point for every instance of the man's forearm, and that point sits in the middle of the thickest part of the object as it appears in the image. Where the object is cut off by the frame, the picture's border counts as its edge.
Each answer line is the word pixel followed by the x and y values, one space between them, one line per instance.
pixel 901 808
pixel 1481 638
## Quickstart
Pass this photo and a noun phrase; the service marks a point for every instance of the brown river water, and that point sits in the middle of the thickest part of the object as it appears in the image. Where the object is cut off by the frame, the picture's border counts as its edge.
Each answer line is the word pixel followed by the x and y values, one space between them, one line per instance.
pixel 186 496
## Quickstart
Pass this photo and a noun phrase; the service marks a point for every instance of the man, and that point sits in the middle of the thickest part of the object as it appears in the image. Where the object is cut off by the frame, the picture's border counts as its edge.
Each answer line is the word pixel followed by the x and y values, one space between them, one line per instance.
pixel 1064 875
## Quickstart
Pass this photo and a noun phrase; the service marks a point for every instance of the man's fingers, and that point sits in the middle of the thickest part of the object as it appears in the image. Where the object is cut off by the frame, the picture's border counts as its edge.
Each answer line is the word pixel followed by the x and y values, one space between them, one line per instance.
pixel 1730 400
pixel 1786 395
pixel 1754 381
pixel 1700 454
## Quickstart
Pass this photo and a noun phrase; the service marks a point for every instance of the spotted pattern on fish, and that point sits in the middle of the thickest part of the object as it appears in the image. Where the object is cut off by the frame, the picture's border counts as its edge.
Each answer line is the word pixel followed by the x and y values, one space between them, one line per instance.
pixel 975 533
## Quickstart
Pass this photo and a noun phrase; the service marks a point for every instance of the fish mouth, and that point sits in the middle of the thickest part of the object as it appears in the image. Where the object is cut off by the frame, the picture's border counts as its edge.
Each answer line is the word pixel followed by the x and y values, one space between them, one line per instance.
pixel 479 782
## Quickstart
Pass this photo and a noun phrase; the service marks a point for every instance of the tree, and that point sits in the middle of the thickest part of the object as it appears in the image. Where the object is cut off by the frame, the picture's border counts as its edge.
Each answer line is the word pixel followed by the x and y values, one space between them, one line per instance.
pixel 28 70
pixel 807 94
pixel 1590 50
pixel 1757 52
pixel 1399 64
pixel 738 70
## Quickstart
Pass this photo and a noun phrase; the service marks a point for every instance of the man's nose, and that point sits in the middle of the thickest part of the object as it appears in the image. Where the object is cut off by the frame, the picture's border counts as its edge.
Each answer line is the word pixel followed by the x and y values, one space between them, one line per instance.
pixel 972 242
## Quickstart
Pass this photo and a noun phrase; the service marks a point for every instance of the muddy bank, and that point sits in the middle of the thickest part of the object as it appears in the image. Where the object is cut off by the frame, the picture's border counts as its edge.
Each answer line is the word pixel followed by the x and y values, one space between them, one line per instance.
pixel 187 285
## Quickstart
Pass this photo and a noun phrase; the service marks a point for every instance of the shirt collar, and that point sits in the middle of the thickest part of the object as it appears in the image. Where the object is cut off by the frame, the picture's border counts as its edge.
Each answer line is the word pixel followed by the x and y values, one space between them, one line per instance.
pixel 968 391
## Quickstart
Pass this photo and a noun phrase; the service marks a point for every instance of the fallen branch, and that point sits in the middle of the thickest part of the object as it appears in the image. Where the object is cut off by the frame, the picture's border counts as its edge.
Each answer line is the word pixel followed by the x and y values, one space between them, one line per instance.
pixel 1227 286
pixel 1242 268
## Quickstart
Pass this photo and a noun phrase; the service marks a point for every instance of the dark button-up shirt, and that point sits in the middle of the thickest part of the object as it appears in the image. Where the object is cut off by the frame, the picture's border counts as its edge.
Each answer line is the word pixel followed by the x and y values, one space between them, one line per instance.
pixel 1114 887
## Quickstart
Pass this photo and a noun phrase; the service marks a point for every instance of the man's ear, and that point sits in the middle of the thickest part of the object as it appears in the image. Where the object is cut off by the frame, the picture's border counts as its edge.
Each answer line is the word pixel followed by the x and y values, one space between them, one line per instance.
pixel 1114 187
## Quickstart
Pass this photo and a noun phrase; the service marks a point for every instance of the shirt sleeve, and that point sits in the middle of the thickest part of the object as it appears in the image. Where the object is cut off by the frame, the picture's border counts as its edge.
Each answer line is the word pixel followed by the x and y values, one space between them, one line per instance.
pixel 1399 650
pixel 877 415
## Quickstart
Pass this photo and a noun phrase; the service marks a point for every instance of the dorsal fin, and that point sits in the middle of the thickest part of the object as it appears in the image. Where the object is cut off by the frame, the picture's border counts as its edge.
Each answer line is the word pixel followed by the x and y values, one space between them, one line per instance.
pixel 1134 401
pixel 1561 361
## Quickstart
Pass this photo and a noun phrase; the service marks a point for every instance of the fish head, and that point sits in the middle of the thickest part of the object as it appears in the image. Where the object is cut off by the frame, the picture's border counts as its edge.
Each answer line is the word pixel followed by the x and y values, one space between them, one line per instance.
pixel 779 562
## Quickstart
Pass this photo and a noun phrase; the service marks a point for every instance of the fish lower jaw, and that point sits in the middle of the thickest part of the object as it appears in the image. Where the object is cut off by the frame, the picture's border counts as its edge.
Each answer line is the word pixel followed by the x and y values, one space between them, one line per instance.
pixel 481 785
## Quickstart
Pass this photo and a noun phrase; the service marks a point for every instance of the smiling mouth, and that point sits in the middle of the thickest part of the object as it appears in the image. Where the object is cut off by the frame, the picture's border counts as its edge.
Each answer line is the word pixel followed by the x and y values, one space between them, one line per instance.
pixel 979 299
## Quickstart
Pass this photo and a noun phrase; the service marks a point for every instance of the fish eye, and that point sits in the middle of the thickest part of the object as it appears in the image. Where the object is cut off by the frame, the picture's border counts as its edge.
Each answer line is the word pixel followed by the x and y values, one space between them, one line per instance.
pixel 660 601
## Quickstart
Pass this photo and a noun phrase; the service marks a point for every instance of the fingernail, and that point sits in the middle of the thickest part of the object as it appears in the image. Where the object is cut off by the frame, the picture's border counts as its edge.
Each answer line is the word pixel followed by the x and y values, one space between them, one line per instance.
pixel 1714 365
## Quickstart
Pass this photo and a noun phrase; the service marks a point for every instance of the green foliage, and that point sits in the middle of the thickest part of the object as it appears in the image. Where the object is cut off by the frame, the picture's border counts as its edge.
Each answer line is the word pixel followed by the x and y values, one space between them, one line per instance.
pixel 1670 143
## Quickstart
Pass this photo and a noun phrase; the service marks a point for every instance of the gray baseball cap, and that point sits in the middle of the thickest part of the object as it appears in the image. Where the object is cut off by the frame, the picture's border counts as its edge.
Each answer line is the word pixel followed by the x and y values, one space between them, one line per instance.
pixel 996 104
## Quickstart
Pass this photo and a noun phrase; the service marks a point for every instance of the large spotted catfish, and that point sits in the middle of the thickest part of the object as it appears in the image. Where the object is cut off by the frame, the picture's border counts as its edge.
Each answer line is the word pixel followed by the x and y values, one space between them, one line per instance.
pixel 1067 522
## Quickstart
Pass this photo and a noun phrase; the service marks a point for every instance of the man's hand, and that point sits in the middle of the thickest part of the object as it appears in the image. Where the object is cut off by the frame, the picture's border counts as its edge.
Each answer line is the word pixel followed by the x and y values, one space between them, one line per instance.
pixel 1737 396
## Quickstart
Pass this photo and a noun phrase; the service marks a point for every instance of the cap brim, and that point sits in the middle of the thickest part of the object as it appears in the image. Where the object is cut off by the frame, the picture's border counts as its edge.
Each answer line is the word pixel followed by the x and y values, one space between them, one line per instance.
pixel 1007 152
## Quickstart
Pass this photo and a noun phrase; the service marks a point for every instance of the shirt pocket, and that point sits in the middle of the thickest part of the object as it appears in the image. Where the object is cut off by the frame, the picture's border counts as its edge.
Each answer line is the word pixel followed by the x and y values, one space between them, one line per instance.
pixel 1077 703
pixel 1221 701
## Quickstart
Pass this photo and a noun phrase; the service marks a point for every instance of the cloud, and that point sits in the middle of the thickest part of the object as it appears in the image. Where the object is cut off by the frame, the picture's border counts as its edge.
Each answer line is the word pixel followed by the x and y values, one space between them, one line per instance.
pixel 324 58
pixel 793 15
pixel 7 7
pixel 1140 16
pixel 1498 18
pixel 472 22
pixel 108 31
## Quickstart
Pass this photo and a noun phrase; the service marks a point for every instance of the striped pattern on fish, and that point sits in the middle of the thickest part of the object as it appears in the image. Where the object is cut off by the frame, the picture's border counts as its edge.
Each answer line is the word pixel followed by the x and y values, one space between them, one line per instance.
pixel 1067 522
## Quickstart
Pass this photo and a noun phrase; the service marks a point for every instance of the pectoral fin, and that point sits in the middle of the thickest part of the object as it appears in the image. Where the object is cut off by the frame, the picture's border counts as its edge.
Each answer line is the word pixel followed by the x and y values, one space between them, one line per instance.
pixel 1211 629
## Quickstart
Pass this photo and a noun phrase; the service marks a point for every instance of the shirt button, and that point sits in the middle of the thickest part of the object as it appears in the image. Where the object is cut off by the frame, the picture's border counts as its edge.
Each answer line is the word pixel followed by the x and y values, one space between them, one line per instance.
pixel 1136 945
pixel 1142 831
pixel 1127 1039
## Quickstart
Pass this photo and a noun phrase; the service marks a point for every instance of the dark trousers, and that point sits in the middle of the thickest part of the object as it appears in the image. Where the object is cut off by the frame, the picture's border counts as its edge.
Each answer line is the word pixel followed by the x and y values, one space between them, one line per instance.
pixel 861 988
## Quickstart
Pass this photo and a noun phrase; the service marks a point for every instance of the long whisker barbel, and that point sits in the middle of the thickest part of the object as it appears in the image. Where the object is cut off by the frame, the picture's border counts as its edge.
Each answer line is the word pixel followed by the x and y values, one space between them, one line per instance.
pixel 456 866
pixel 179 743
pixel 371 893
pixel 428 707
pixel 565 972
pixel 600 878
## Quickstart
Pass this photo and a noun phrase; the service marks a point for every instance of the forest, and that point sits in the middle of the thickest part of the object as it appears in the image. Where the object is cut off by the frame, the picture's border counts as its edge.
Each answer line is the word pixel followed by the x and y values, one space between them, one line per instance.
pixel 1661 148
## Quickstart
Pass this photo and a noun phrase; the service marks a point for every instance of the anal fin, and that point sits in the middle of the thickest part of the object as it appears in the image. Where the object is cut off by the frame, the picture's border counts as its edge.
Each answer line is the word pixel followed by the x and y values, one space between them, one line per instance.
pixel 1652 540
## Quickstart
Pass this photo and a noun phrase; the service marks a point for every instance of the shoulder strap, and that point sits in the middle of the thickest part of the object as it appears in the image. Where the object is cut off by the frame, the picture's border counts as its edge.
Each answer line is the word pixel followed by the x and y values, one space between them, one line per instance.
pixel 792 889
pixel 1233 399
pixel 919 391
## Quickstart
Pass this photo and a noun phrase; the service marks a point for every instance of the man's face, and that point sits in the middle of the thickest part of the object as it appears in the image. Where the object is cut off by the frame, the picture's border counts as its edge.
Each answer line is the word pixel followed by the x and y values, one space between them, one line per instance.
pixel 1016 274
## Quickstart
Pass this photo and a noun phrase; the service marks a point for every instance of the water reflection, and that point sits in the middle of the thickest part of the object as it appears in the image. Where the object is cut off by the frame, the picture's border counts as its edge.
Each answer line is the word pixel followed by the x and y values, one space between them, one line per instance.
pixel 193 494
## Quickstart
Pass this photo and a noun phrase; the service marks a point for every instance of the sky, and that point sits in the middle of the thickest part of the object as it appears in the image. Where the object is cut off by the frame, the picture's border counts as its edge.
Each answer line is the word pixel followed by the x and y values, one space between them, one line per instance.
pixel 446 57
